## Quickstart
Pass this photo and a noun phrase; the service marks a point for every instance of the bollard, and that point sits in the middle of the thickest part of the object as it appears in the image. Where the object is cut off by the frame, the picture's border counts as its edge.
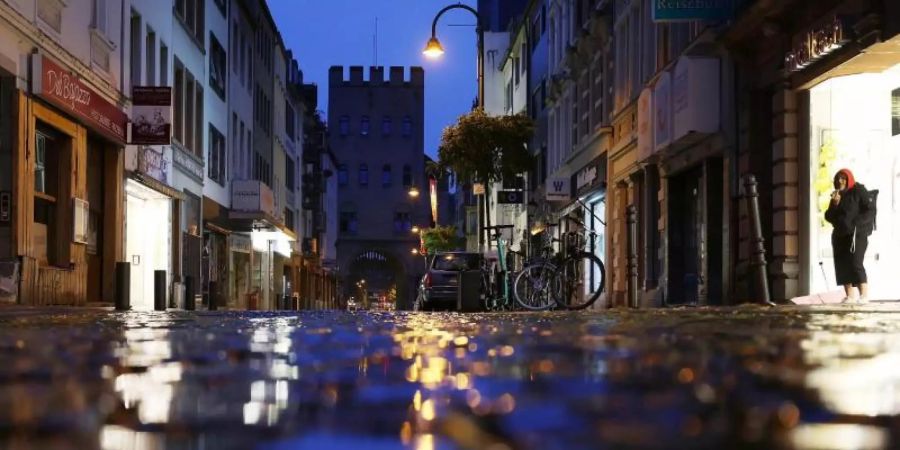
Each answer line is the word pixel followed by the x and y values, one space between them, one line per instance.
pixel 631 221
pixel 213 296
pixel 190 299
pixel 758 261
pixel 159 290
pixel 123 286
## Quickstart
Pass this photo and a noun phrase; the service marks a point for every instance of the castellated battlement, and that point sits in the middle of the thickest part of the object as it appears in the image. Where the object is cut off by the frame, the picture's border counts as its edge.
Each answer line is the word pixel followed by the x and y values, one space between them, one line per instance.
pixel 397 76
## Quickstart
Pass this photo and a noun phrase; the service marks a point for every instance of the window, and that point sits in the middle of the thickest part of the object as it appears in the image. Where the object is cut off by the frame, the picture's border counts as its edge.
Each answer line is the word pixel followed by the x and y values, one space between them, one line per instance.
pixel 235 40
pixel 289 120
pixel 348 223
pixel 192 213
pixel 50 12
pixel 290 175
pixel 289 219
pixel 216 163
pixel 517 66
pixel 536 32
pixel 386 175
pixel 188 111
pixel 235 150
pixel 135 49
pixel 363 175
pixel 343 177
pixel 163 65
pixel 402 222
pixel 895 112
pixel 98 16
pixel 407 176
pixel 191 15
pixel 364 126
pixel 151 58
pixel 217 67
pixel 407 126
pixel 221 5
pixel 386 125
pixel 344 125
pixel 50 195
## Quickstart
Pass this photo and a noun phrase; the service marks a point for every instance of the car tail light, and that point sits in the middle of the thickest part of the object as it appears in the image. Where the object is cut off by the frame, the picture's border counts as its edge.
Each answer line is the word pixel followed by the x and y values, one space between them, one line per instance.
pixel 428 280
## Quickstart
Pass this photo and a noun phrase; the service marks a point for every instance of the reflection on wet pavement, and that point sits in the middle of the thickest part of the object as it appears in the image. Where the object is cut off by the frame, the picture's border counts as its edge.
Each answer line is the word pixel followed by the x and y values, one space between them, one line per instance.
pixel 693 378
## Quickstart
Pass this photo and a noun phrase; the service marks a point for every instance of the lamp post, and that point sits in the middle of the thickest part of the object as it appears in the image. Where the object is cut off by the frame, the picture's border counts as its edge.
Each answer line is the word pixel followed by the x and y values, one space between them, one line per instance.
pixel 433 49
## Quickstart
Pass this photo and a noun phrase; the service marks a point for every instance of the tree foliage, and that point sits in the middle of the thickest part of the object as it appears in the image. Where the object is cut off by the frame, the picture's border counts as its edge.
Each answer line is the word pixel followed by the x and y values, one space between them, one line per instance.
pixel 485 148
pixel 441 238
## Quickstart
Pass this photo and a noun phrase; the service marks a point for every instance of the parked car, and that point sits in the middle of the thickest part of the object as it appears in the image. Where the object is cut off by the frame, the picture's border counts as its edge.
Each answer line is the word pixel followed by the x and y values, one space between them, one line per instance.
pixel 439 286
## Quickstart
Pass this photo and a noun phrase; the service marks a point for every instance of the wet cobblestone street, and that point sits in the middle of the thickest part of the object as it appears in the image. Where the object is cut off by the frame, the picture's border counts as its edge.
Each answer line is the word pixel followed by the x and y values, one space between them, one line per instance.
pixel 747 377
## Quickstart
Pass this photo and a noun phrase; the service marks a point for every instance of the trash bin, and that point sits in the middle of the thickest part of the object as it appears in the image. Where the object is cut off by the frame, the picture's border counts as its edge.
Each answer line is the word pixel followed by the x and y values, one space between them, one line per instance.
pixel 469 291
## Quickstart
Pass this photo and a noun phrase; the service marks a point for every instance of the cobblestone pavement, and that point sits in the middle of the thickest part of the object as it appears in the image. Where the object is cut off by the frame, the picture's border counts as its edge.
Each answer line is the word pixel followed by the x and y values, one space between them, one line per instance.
pixel 732 378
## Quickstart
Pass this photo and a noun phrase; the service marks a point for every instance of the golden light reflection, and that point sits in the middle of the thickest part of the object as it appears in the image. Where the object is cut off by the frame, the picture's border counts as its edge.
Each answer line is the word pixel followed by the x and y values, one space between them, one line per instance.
pixel 417 401
pixel 428 410
pixel 406 433
pixel 461 341
pixel 839 437
pixel 425 442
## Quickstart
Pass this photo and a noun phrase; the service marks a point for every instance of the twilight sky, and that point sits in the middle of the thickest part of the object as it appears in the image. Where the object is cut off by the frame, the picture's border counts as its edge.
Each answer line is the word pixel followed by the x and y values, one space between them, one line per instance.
pixel 323 33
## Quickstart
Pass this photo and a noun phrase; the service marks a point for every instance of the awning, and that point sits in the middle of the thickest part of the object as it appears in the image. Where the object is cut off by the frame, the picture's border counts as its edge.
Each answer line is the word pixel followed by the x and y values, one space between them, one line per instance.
pixel 157 185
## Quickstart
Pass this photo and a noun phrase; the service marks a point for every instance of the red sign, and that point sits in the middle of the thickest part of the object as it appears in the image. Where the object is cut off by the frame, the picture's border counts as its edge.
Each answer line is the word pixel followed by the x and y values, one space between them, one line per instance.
pixel 63 89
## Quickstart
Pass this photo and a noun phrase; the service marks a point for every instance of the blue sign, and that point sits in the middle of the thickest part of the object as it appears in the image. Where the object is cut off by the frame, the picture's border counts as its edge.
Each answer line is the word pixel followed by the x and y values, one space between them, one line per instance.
pixel 690 10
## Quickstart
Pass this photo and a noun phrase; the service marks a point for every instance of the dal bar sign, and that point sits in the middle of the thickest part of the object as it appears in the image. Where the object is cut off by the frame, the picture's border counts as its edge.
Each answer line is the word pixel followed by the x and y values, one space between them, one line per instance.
pixel 63 89
pixel 691 10
pixel 815 44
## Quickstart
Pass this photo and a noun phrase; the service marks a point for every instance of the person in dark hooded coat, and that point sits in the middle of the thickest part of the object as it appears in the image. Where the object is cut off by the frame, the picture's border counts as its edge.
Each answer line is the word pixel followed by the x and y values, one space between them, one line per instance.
pixel 853 217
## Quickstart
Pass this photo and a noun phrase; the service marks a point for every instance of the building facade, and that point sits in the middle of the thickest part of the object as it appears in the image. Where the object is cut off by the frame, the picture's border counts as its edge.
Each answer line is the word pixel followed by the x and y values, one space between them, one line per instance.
pixel 377 137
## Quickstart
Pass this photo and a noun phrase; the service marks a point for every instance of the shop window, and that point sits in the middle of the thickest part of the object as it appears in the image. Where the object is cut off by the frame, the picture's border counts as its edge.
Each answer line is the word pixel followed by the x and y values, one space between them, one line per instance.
pixel 386 175
pixel 191 214
pixel 895 112
pixel 217 66
pixel 50 196
pixel 363 175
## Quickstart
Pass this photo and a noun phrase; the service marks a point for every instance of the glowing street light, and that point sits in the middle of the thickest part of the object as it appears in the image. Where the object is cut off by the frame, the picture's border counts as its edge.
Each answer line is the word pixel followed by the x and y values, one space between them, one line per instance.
pixel 413 192
pixel 415 229
pixel 433 48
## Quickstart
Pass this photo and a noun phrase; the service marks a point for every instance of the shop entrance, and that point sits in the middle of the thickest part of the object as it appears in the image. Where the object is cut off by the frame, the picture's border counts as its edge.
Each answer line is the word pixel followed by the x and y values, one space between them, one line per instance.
pixel 685 236
pixel 148 226
pixel 855 124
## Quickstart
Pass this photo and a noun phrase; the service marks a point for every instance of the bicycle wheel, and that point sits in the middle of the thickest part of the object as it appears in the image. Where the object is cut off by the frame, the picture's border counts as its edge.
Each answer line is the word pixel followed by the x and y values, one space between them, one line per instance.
pixel 533 286
pixel 579 280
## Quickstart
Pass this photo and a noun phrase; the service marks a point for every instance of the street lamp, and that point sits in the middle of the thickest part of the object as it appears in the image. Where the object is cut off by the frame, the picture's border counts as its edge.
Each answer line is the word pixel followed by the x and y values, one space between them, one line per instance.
pixel 413 192
pixel 433 49
pixel 415 229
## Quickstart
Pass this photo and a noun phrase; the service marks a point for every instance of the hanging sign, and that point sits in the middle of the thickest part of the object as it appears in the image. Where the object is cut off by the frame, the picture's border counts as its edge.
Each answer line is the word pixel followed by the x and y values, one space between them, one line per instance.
pixel 151 115
pixel 815 44
pixel 558 189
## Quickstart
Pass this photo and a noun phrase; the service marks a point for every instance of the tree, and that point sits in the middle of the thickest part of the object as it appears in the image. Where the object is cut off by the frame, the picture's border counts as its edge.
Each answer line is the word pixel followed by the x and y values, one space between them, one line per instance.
pixel 486 149
pixel 440 239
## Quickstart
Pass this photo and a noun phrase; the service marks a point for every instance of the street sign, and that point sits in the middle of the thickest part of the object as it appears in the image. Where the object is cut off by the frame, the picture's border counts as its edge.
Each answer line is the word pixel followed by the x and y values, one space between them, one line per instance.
pixel 691 10
pixel 510 197
pixel 559 189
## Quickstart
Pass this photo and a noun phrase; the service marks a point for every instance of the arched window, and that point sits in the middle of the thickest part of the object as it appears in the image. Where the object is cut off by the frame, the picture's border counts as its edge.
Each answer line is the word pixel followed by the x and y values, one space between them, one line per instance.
pixel 386 175
pixel 407 126
pixel 386 125
pixel 363 175
pixel 345 125
pixel 343 177
pixel 407 176
pixel 364 126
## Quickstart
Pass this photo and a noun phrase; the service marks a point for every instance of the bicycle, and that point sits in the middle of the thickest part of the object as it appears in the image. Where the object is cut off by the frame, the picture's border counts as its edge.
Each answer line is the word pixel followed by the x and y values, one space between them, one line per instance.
pixel 533 284
pixel 495 276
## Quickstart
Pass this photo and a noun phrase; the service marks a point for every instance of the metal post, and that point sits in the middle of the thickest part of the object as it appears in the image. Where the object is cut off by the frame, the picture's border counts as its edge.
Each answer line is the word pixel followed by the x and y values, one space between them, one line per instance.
pixel 190 301
pixel 159 290
pixel 758 260
pixel 213 296
pixel 123 286
pixel 631 221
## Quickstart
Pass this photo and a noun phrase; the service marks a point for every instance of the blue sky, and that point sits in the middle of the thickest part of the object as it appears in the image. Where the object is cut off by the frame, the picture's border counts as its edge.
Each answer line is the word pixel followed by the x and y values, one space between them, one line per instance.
pixel 323 33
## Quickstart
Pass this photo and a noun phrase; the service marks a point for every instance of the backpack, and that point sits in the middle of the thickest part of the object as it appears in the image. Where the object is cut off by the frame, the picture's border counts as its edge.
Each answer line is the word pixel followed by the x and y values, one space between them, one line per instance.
pixel 873 204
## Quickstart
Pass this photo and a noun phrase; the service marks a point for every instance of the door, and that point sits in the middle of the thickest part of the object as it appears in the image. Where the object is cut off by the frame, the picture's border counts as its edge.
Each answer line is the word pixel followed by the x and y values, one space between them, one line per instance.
pixel 95 195
pixel 686 236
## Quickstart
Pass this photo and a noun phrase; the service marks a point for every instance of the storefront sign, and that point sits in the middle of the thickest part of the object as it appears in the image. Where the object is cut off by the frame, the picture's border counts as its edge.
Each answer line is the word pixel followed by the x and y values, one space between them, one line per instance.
pixel 153 162
pixel 187 163
pixel 690 10
pixel 240 243
pixel 151 115
pixel 815 44
pixel 252 196
pixel 510 197
pixel 52 83
pixel 558 189
pixel 644 126
pixel 662 112
pixel 695 97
